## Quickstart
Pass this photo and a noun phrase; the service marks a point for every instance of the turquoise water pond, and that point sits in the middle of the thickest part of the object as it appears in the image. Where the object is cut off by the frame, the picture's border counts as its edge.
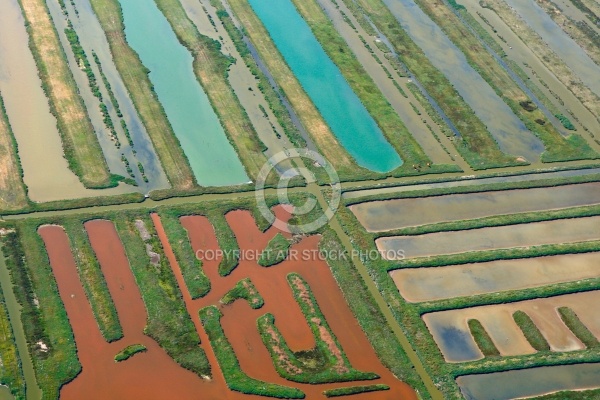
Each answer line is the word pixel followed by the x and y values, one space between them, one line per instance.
pixel 322 80
pixel 211 156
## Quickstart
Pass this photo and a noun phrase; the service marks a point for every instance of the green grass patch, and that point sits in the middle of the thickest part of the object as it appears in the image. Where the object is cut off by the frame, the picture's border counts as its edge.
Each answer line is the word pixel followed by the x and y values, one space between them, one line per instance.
pixel 34 283
pixel 168 320
pixel 227 243
pixel 576 395
pixel 531 331
pixel 276 251
pixel 235 378
pixel 196 280
pixel 11 374
pixel 483 339
pixel 347 391
pixel 129 352
pixel 92 280
pixel 245 290
pixel 572 321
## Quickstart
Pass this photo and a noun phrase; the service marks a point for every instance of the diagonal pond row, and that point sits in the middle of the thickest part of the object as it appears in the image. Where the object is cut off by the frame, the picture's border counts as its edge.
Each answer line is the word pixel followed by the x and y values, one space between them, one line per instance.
pixel 211 156
pixel 510 132
pixel 322 80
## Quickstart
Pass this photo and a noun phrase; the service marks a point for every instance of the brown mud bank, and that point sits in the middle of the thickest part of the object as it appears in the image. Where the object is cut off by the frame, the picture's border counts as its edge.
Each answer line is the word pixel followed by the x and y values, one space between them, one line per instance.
pixel 239 320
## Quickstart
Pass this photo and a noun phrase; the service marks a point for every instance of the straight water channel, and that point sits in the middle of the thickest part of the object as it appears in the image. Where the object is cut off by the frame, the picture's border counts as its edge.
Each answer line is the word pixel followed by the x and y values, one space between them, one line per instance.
pixel 211 156
pixel 319 76
pixel 508 130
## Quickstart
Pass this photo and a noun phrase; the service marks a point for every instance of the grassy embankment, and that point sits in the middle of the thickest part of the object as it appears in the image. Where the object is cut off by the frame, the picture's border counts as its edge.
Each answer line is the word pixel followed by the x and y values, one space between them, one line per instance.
pixel 80 144
pixel 363 85
pixel 235 378
pixel 129 352
pixel 409 315
pixel 549 182
pixel 276 251
pixel 308 114
pixel 151 112
pixel 572 321
pixel 34 284
pixel 548 57
pixel 168 321
pixel 244 290
pixel 531 331
pixel 558 148
pixel 11 374
pixel 476 144
pixel 483 339
pixel 347 391
pixel 92 280
pixel 13 193
pixel 322 364
pixel 211 68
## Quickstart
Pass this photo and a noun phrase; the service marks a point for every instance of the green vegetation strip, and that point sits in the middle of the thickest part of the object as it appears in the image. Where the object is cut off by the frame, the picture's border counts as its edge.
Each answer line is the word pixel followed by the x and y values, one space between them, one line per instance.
pixel 211 68
pixel 362 84
pixel 129 352
pixel 324 337
pixel 551 182
pixel 11 374
pixel 227 243
pixel 572 321
pixel 168 321
pixel 13 193
pixel 80 143
pixel 34 284
pixel 476 144
pixel 483 339
pixel 93 282
pixel 196 280
pixel 531 331
pixel 245 290
pixel 347 391
pixel 235 378
pixel 276 251
pixel 135 78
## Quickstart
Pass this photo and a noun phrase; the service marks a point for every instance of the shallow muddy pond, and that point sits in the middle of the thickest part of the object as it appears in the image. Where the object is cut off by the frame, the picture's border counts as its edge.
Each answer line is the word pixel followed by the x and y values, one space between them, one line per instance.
pixel 429 284
pixel 507 335
pixel 46 172
pixel 501 237
pixel 529 382
pixel 204 142
pixel 378 216
pixel 319 76
pixel 508 130
pixel 566 48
